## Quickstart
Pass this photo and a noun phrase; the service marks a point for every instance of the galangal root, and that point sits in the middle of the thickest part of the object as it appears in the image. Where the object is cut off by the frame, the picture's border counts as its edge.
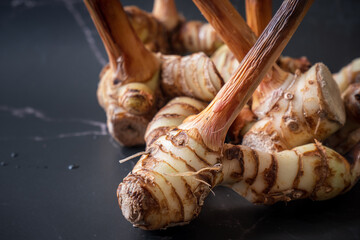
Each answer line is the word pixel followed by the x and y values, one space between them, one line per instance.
pixel 166 31
pixel 129 89
pixel 128 85
pixel 168 185
pixel 349 135
pixel 293 109
pixel 185 151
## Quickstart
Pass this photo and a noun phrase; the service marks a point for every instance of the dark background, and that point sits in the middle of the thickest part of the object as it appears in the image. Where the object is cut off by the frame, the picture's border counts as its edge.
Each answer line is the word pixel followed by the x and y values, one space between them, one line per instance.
pixel 50 58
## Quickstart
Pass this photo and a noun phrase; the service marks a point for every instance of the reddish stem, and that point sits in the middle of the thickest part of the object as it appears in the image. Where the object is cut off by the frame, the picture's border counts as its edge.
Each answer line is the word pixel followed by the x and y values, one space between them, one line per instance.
pixel 214 122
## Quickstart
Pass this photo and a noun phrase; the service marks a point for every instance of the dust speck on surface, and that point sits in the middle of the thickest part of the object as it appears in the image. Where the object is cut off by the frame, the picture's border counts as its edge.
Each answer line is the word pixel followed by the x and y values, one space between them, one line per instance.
pixel 73 166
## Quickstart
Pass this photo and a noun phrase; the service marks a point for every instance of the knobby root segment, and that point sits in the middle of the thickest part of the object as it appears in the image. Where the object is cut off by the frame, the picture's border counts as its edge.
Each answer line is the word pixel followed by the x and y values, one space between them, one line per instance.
pixel 237 91
pixel 229 25
pixel 166 31
pixel 279 129
pixel 292 65
pixel 196 36
pixel 309 171
pixel 171 116
pixel 348 75
pixel 311 108
pixel 151 198
pixel 150 30
pixel 194 76
pixel 239 38
pixel 128 89
pixel 156 196
pixel 258 14
pixel 349 135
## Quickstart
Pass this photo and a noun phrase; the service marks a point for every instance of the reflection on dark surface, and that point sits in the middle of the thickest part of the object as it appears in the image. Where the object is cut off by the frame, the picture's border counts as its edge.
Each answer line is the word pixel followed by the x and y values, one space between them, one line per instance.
pixel 50 59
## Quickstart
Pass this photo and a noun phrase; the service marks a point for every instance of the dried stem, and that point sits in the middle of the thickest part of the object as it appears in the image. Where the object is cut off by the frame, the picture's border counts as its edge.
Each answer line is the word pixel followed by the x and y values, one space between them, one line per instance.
pixel 238 36
pixel 229 25
pixel 165 12
pixel 258 14
pixel 128 57
pixel 214 122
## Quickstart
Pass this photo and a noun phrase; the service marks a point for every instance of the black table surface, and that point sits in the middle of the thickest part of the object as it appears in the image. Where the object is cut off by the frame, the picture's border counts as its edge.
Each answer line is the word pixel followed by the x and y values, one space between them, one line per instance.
pixel 50 59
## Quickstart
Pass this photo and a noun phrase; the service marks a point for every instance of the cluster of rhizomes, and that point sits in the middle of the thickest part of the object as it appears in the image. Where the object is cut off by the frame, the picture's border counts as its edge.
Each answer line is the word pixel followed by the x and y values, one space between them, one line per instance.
pixel 279 108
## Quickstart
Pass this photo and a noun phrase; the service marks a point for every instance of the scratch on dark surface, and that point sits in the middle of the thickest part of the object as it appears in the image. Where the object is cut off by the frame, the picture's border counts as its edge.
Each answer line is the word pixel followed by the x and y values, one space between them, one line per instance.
pixel 26 3
pixel 86 30
pixel 29 111
pixel 23 112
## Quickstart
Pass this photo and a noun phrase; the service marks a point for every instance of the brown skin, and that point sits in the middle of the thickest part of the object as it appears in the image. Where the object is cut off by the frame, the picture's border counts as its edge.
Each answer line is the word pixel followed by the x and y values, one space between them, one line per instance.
pixel 166 31
pixel 194 75
pixel 349 135
pixel 127 90
pixel 258 14
pixel 160 192
pixel 239 38
pixel 152 32
pixel 195 36
pixel 230 100
pixel 310 109
pixel 291 65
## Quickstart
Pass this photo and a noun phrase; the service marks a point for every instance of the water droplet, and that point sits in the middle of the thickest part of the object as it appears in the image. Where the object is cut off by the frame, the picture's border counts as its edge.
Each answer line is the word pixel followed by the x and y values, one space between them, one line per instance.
pixel 14 155
pixel 73 166
pixel 3 164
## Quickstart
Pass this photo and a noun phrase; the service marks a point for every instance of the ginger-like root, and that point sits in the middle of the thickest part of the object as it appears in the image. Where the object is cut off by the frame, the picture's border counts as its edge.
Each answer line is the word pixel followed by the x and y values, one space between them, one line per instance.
pixel 196 36
pixel 128 88
pixel 348 75
pixel 194 76
pixel 171 116
pixel 168 197
pixel 226 62
pixel 166 31
pixel 159 193
pixel 311 108
pixel 292 65
pixel 149 29
pixel 152 197
pixel 349 135
pixel 258 15
pixel 309 171
pixel 288 64
pixel 239 38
